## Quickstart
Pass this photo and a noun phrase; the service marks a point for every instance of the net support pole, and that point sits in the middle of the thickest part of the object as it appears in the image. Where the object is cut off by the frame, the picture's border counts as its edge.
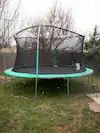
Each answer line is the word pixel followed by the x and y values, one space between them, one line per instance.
pixel 37 52
pixel 37 62
pixel 54 56
pixel 24 55
pixel 67 86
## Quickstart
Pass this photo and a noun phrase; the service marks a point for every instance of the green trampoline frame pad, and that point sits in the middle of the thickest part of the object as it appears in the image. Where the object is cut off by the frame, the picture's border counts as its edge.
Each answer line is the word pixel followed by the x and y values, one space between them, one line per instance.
pixel 43 76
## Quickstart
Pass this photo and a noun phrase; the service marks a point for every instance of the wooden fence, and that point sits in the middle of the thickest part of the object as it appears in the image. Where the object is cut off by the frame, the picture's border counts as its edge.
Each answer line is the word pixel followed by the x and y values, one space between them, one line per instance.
pixel 7 60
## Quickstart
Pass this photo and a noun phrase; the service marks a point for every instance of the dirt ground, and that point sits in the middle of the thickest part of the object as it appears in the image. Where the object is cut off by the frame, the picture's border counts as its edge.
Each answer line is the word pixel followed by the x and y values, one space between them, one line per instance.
pixel 4 79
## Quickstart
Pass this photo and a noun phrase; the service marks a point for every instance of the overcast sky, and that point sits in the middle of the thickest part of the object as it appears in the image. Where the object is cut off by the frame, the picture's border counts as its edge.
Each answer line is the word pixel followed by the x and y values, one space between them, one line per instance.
pixel 86 13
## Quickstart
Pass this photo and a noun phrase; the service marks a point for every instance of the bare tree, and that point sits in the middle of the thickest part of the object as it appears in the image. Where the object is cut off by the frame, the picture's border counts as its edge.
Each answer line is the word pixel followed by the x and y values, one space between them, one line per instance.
pixel 56 34
pixel 59 17
pixel 8 22
pixel 56 17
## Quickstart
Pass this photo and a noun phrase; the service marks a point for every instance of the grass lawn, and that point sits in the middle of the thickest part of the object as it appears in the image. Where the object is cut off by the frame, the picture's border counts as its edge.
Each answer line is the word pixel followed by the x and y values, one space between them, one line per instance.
pixel 52 112
pixel 2 74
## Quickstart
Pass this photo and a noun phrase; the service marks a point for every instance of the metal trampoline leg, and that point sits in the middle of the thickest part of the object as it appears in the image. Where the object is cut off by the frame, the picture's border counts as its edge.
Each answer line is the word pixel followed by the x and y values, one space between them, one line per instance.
pixel 67 86
pixel 84 79
pixel 11 87
pixel 5 80
pixel 12 90
pixel 36 83
pixel 92 82
pixel 88 84
pixel 92 78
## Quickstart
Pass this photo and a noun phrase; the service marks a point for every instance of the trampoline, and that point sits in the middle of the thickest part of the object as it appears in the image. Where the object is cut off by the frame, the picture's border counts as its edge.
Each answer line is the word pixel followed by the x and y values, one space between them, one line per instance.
pixel 45 51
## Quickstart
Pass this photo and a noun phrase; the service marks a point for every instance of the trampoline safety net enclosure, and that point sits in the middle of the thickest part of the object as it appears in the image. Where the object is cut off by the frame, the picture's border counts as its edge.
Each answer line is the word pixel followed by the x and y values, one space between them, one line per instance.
pixel 49 50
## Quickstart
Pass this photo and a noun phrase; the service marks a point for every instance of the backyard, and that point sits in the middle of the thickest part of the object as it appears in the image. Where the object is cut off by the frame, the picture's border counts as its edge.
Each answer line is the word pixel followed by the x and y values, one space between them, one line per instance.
pixel 52 112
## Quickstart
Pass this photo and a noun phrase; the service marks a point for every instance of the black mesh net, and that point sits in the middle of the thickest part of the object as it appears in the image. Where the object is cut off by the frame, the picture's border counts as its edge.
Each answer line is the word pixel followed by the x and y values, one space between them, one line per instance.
pixel 57 48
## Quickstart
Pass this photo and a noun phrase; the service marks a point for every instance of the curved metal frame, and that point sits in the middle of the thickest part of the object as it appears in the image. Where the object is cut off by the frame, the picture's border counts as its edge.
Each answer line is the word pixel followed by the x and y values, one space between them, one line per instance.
pixel 47 26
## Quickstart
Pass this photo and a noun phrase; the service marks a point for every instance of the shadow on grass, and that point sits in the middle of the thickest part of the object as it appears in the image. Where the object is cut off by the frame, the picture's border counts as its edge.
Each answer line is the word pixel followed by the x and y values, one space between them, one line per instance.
pixel 78 86
pixel 49 87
